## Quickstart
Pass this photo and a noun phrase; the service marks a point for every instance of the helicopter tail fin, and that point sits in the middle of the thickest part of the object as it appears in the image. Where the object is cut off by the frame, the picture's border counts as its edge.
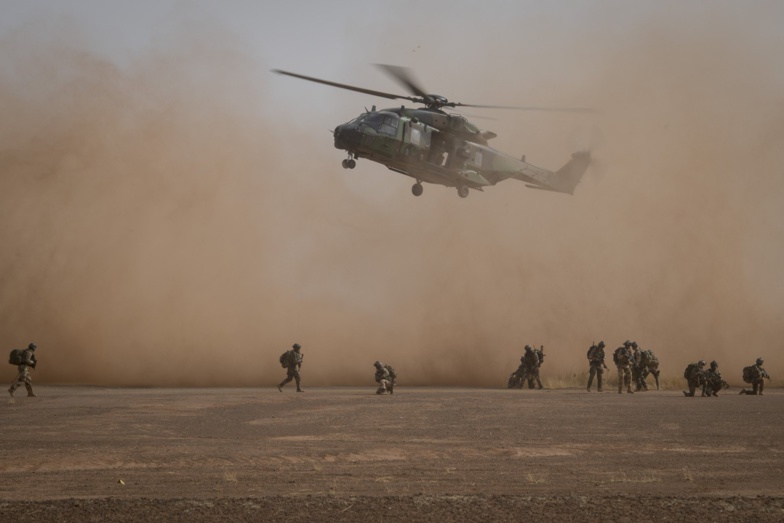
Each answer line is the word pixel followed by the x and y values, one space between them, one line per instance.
pixel 565 180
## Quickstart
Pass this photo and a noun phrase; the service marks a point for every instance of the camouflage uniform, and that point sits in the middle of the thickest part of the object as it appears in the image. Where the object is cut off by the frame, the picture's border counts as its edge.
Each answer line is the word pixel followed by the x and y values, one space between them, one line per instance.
pixel 712 381
pixel 293 364
pixel 385 377
pixel 650 365
pixel 597 365
pixel 533 370
pixel 531 364
pixel 755 375
pixel 637 368
pixel 695 376
pixel 622 357
pixel 23 371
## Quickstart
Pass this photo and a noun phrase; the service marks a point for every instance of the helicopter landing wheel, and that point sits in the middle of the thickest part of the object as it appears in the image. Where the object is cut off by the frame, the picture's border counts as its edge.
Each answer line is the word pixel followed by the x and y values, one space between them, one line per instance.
pixel 462 191
pixel 344 163
pixel 351 163
pixel 417 189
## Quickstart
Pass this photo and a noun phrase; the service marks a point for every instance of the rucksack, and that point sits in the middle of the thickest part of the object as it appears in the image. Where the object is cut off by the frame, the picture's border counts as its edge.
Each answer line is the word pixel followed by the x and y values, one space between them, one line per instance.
pixel 687 372
pixel 284 359
pixel 591 351
pixel 540 355
pixel 391 371
pixel 616 355
pixel 16 357
pixel 748 374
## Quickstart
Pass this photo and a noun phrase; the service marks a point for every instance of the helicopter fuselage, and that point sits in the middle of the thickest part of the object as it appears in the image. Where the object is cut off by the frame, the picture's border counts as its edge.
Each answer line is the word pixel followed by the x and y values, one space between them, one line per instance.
pixel 435 147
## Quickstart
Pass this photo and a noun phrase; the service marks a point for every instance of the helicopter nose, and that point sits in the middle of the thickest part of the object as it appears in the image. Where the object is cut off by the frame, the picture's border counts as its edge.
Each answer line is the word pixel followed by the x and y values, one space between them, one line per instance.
pixel 347 136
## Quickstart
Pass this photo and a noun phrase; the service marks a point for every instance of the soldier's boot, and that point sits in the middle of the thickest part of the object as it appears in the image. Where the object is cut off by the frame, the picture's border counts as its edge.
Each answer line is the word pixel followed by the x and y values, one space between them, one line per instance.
pixel 280 387
pixel 392 389
pixel 742 391
pixel 300 389
pixel 686 394
pixel 590 380
pixel 381 390
pixel 629 390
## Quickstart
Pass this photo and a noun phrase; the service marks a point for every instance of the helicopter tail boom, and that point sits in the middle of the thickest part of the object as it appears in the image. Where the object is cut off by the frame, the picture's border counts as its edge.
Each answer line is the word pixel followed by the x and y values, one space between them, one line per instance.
pixel 567 177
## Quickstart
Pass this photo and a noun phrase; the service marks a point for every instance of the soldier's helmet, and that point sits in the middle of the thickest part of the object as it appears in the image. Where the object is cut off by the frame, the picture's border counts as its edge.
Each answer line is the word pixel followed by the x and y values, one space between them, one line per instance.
pixel 701 363
pixel 32 346
pixel 296 346
pixel 634 344
pixel 528 348
pixel 377 364
pixel 714 364
pixel 601 345
pixel 760 361
pixel 627 343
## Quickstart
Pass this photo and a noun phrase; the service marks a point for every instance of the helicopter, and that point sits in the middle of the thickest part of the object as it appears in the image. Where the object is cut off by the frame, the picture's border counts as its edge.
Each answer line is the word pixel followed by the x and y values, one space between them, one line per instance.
pixel 433 146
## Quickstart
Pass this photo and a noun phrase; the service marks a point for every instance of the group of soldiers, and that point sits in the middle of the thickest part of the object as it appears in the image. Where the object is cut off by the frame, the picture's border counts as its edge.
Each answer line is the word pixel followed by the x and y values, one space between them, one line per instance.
pixel 528 371
pixel 291 360
pixel 711 382
pixel 633 363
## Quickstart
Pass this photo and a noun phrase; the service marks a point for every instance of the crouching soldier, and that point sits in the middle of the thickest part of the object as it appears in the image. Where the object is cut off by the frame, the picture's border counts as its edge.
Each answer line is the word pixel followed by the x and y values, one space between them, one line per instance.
pixel 695 376
pixel 386 377
pixel 24 360
pixel 713 382
pixel 756 376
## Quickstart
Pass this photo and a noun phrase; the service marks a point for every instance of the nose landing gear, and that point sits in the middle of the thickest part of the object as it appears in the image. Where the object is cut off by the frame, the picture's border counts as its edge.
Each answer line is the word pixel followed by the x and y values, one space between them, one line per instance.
pixel 417 189
pixel 349 163
pixel 462 191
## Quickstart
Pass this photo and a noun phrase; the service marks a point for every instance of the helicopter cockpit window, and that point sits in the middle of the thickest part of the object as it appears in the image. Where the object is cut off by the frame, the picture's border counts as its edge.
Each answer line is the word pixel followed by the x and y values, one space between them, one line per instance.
pixel 383 123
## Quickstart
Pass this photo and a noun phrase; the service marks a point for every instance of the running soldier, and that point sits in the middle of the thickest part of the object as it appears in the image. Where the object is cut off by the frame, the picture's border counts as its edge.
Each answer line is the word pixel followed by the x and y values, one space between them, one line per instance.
pixel 713 382
pixel 291 360
pixel 695 376
pixel 756 376
pixel 623 358
pixel 533 370
pixel 24 360
pixel 650 365
pixel 597 365
pixel 386 377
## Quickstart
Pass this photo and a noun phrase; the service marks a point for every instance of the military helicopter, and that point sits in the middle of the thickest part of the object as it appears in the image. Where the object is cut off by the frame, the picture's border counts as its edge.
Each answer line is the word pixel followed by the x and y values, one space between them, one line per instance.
pixel 433 146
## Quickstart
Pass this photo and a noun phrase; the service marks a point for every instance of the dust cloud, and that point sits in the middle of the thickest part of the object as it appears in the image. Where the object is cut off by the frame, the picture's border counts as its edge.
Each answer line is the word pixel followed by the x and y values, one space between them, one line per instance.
pixel 159 228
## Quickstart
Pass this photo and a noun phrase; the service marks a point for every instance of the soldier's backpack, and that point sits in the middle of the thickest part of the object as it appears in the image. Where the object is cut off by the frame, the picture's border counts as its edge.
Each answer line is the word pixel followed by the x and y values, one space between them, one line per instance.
pixel 16 357
pixel 617 355
pixel 687 371
pixel 748 374
pixel 540 356
pixel 284 359
pixel 391 371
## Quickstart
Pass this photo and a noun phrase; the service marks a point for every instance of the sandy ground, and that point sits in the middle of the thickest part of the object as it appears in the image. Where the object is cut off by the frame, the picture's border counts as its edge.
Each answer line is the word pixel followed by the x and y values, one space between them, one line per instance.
pixel 423 454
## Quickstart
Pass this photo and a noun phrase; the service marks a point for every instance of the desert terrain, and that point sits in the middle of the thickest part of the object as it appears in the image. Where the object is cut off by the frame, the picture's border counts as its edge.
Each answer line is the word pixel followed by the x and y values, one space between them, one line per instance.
pixel 77 453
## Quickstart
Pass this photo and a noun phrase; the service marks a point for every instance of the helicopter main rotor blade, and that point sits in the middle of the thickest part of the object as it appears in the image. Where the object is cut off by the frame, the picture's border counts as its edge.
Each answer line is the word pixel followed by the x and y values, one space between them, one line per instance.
pixel 405 77
pixel 532 108
pixel 346 86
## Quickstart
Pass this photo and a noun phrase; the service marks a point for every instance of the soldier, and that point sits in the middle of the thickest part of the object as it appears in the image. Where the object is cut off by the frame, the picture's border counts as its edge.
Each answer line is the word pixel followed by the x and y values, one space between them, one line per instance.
pixel 596 361
pixel 533 374
pixel 713 382
pixel 516 378
pixel 386 377
pixel 292 361
pixel 755 375
pixel 26 361
pixel 637 369
pixel 531 364
pixel 695 376
pixel 622 357
pixel 650 365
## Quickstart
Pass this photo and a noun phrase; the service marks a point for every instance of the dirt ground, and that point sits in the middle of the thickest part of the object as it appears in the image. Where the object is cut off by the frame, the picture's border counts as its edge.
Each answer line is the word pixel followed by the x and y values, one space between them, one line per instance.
pixel 422 454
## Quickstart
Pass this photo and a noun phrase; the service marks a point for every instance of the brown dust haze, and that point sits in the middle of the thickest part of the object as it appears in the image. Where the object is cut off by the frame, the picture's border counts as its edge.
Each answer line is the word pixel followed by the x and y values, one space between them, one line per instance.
pixel 158 228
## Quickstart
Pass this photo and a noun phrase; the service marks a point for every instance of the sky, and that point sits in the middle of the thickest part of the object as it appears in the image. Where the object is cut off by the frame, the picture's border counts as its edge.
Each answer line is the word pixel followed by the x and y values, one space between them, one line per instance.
pixel 174 213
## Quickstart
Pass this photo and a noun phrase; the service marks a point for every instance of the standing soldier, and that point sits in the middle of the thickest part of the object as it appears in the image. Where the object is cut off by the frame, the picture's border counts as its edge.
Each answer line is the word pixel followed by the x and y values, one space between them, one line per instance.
pixel 637 368
pixel 385 377
pixel 596 361
pixel 531 367
pixel 25 360
pixel 623 358
pixel 535 372
pixel 755 375
pixel 713 382
pixel 292 361
pixel 695 376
